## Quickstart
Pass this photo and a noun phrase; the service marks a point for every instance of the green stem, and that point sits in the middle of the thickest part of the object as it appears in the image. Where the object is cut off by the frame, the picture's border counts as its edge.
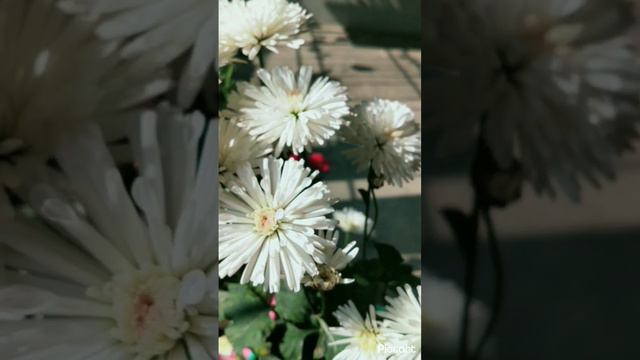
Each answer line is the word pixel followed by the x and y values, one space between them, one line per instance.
pixel 375 211
pixel 308 297
pixel 498 293
pixel 371 198
pixel 323 304
pixel 365 237
pixel 227 77
pixel 470 254
pixel 187 353
pixel 261 59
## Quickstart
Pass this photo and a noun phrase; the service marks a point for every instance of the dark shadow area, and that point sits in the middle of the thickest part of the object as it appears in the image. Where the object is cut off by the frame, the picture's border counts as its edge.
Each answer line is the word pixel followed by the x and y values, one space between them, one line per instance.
pixel 567 297
pixel 383 23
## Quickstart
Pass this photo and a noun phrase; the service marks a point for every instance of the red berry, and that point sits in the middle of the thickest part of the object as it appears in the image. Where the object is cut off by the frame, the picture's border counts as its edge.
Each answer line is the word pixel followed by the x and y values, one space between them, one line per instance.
pixel 316 160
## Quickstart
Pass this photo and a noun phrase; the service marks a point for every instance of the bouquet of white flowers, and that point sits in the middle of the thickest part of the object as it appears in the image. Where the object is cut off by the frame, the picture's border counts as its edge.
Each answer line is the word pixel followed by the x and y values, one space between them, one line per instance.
pixel 294 286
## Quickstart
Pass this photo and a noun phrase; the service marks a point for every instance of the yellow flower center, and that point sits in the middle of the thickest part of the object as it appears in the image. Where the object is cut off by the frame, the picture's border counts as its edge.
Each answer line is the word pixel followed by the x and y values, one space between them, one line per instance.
pixel 368 340
pixel 296 99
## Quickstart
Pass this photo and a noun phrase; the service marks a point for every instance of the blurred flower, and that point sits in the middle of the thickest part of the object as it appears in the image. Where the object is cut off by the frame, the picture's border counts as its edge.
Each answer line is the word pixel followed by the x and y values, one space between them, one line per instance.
pixel 442 315
pixel 272 315
pixel 254 24
pixel 225 349
pixel 226 47
pixel 402 317
pixel 226 52
pixel 248 354
pixel 362 336
pixel 57 79
pixel 236 147
pixel 387 138
pixel 351 220
pixel 159 31
pixel 268 225
pixel 115 277
pixel 551 83
pixel 319 162
pixel 290 111
pixel 331 260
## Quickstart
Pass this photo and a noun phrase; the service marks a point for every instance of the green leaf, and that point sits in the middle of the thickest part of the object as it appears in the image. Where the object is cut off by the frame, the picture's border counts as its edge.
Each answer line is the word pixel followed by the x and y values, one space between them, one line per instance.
pixel 292 306
pixel 389 256
pixel 293 342
pixel 249 320
pixel 462 226
pixel 365 196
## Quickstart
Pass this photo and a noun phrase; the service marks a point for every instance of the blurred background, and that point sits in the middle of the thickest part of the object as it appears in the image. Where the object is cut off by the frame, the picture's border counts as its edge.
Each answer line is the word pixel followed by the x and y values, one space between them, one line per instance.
pixel 349 42
pixel 571 268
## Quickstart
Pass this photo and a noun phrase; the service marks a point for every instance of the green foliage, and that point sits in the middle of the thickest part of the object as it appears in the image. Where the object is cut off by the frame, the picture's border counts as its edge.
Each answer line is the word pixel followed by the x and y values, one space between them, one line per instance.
pixel 247 311
pixel 227 85
pixel 292 306
pixel 293 342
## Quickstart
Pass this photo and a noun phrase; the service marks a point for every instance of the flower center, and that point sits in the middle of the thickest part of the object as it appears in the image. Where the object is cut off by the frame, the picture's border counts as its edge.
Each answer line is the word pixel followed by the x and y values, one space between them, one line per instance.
pixel 149 320
pixel 368 340
pixel 539 37
pixel 296 103
pixel 267 221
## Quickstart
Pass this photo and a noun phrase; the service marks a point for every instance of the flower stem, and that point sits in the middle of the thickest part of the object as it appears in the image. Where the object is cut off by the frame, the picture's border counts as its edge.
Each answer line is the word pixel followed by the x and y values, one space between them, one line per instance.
pixel 369 198
pixel 498 294
pixel 471 254
pixel 261 59
pixel 375 211
pixel 483 170
pixel 187 353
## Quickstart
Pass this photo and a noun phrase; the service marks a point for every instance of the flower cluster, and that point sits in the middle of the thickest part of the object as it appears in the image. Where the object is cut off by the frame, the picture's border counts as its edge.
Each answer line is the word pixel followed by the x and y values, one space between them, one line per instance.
pixel 278 225
pixel 397 336
pixel 272 208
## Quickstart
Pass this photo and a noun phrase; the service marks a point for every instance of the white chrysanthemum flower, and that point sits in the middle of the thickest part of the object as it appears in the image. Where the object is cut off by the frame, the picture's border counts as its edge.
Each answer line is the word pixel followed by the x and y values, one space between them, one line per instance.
pixel 289 111
pixel 442 315
pixel 59 76
pixel 226 51
pixel 403 318
pixel 331 260
pixel 112 278
pixel 351 220
pixel 236 147
pixel 160 31
pixel 555 84
pixel 387 138
pixel 267 223
pixel 227 48
pixel 363 337
pixel 254 24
